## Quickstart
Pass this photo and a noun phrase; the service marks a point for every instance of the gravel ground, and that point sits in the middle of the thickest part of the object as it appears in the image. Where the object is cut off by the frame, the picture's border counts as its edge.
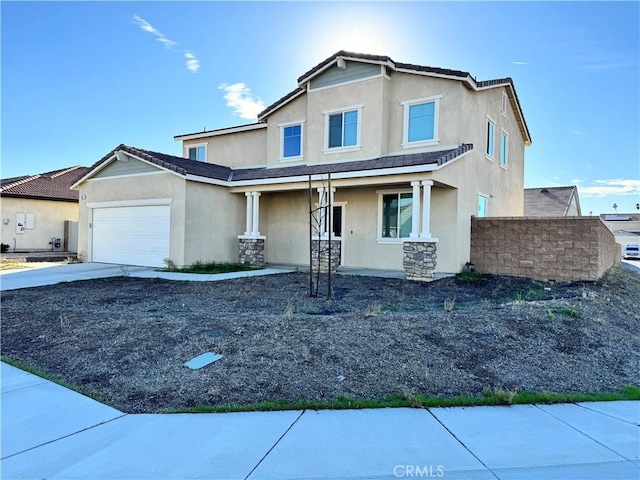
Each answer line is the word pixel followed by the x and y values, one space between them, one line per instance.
pixel 126 340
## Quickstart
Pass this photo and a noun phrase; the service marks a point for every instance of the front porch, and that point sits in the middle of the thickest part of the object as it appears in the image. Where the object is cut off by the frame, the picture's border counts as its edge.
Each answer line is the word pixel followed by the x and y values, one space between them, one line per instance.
pixel 379 229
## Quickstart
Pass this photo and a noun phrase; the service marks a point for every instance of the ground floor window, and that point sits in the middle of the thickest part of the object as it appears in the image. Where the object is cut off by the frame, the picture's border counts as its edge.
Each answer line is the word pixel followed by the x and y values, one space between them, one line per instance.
pixel 397 209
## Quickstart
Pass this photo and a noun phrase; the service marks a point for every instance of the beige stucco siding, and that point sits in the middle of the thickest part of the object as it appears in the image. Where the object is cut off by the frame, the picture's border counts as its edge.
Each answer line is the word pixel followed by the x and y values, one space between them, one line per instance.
pixel 141 187
pixel 294 111
pixel 49 222
pixel 369 94
pixel 214 219
pixel 238 149
pixel 407 87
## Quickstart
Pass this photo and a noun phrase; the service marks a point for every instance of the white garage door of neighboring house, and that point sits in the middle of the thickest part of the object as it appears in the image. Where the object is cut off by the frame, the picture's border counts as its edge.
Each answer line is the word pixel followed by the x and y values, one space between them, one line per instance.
pixel 131 235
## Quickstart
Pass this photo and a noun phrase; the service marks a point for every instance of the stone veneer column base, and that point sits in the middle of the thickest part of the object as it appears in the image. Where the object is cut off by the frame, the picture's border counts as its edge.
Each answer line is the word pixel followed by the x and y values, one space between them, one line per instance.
pixel 251 250
pixel 419 259
pixel 322 257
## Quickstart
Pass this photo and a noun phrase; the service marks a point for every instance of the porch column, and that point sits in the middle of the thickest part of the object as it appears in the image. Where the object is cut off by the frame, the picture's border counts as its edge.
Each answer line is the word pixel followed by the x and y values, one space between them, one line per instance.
pixel 249 221
pixel 426 209
pixel 415 213
pixel 255 232
pixel 322 203
pixel 330 211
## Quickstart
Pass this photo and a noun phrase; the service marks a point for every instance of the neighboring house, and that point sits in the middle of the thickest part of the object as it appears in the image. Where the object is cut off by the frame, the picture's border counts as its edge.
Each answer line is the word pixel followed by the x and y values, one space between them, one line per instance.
pixel 625 227
pixel 37 209
pixel 413 152
pixel 552 202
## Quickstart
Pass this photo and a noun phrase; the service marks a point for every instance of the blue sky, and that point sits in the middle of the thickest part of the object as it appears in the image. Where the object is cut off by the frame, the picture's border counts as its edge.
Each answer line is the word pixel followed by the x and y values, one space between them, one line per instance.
pixel 79 78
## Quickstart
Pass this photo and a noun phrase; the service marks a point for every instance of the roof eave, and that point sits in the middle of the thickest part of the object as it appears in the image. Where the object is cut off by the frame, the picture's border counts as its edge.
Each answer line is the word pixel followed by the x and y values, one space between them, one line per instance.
pixel 221 131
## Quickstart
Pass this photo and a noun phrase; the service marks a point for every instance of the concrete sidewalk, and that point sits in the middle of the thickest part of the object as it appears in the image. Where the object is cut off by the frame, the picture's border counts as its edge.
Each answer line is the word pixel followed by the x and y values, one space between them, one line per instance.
pixel 51 432
pixel 56 273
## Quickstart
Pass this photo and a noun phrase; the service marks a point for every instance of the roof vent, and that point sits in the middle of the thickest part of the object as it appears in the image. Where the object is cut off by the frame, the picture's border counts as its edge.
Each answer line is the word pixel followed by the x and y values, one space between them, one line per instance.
pixel 121 156
pixel 544 190
pixel 342 64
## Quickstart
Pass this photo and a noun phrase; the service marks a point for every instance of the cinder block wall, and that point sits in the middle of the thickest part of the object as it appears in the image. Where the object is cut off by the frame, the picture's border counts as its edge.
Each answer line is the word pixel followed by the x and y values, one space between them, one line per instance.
pixel 552 248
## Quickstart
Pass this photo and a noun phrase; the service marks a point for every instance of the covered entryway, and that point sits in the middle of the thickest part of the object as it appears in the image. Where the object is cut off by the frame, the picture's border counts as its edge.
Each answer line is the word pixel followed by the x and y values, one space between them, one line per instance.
pixel 131 235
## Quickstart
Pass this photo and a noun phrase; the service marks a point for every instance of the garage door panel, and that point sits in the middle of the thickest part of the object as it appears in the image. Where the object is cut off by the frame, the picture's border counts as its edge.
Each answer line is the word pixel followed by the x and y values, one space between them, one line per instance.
pixel 131 235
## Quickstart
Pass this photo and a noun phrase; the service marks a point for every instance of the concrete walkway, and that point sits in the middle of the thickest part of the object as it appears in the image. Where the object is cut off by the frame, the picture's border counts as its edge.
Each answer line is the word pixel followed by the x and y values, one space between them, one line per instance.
pixel 50 274
pixel 54 433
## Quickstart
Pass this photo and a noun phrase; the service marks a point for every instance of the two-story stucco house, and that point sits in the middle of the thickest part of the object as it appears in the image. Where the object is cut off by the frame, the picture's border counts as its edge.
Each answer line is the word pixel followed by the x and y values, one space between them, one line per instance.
pixel 413 153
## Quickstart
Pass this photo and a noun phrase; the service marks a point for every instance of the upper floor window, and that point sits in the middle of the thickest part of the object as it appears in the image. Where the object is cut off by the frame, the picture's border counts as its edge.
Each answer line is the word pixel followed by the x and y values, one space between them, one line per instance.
pixel 504 148
pixel 491 127
pixel 421 121
pixel 198 152
pixel 342 128
pixel 291 140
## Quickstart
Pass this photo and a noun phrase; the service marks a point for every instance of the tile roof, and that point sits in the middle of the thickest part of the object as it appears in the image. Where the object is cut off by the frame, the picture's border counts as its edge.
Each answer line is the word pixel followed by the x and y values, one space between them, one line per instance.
pixel 180 165
pixel 427 158
pixel 53 185
pixel 549 201
pixel 184 166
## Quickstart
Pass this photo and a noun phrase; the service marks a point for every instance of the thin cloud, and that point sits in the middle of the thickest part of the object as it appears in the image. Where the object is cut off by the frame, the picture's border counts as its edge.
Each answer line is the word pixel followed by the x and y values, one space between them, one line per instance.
pixel 604 188
pixel 519 63
pixel 239 97
pixel 192 63
pixel 577 132
pixel 147 27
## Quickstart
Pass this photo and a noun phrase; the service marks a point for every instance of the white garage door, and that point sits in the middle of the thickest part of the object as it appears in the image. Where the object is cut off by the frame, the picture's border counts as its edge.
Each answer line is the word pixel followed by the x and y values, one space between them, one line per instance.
pixel 131 235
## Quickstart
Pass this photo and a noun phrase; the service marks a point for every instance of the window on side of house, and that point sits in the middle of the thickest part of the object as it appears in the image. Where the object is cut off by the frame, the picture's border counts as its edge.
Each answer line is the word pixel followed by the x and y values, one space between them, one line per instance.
pixel 482 206
pixel 504 148
pixel 397 210
pixel 291 141
pixel 198 152
pixel 342 129
pixel 421 121
pixel 491 128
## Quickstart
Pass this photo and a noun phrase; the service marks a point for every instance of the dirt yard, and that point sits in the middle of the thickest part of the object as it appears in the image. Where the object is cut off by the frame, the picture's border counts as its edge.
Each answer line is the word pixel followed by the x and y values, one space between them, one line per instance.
pixel 126 340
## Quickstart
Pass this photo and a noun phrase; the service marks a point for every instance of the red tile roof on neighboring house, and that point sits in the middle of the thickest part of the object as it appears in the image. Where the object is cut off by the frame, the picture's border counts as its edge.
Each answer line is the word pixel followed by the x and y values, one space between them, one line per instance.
pixel 550 201
pixel 185 167
pixel 44 186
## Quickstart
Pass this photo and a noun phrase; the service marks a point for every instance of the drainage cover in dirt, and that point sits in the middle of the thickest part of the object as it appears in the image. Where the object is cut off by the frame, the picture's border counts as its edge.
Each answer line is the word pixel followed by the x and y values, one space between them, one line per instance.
pixel 202 360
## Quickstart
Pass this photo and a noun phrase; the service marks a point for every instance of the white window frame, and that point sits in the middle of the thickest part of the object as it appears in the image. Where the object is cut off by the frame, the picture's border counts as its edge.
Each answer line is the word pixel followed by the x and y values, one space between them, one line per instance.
pixel 379 238
pixel 197 145
pixel 282 126
pixel 490 154
pixel 504 152
pixel 436 117
pixel 349 148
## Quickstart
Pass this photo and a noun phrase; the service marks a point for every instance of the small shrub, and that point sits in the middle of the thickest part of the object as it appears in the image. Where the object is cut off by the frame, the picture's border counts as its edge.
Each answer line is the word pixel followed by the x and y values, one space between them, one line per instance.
pixel 373 310
pixel 469 276
pixel 4 247
pixel 569 312
pixel 449 304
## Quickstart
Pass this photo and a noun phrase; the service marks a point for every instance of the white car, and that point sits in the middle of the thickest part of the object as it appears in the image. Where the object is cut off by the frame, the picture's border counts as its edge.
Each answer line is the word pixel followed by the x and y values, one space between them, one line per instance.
pixel 632 252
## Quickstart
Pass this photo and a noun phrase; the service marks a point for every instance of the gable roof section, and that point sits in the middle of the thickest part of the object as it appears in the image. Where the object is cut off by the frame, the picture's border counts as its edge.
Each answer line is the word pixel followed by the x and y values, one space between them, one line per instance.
pixel 55 185
pixel 183 167
pixel 549 201
pixel 458 75
pixel 195 170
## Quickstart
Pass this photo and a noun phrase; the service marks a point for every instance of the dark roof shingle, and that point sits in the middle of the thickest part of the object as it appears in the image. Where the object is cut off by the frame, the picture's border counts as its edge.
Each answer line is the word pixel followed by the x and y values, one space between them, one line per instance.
pixel 53 185
pixel 549 201
pixel 184 166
